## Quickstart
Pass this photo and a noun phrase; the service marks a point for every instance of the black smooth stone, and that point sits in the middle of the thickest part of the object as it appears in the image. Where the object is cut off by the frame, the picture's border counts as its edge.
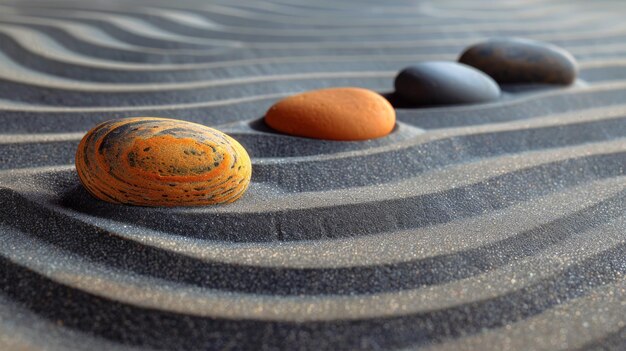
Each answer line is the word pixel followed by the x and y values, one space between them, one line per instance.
pixel 522 61
pixel 444 83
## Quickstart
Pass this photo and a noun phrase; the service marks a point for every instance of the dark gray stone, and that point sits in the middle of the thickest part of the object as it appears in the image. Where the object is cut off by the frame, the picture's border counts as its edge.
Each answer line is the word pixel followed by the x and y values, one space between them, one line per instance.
pixel 444 83
pixel 524 61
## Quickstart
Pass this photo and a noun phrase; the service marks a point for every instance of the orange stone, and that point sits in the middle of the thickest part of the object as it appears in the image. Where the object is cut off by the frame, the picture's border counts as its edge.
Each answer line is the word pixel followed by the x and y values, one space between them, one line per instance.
pixel 333 114
pixel 162 162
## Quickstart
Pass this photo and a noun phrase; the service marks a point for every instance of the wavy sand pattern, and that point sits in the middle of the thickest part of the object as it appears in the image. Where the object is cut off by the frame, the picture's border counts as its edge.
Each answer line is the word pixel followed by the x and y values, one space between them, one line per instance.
pixel 496 226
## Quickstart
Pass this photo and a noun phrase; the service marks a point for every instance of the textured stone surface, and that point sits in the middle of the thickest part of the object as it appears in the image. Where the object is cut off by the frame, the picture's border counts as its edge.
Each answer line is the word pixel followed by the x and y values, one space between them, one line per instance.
pixel 333 114
pixel 162 162
pixel 517 60
pixel 444 83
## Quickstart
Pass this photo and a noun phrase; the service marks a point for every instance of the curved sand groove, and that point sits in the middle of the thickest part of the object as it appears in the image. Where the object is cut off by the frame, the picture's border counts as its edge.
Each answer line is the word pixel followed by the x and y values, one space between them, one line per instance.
pixel 67 66
pixel 148 15
pixel 131 54
pixel 433 325
pixel 226 12
pixel 41 82
pixel 118 97
pixel 137 31
pixel 577 332
pixel 116 27
pixel 22 118
pixel 406 244
pixel 180 299
pixel 18 44
pixel 28 70
pixel 409 28
pixel 620 185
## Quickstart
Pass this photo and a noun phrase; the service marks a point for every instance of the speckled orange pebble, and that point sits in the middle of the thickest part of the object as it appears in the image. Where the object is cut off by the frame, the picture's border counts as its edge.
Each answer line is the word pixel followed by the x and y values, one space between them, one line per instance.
pixel 333 114
pixel 148 161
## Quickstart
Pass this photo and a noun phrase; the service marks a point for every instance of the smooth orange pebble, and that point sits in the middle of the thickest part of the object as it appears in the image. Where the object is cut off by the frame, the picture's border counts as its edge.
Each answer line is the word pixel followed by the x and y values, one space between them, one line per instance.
pixel 333 114
pixel 149 161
